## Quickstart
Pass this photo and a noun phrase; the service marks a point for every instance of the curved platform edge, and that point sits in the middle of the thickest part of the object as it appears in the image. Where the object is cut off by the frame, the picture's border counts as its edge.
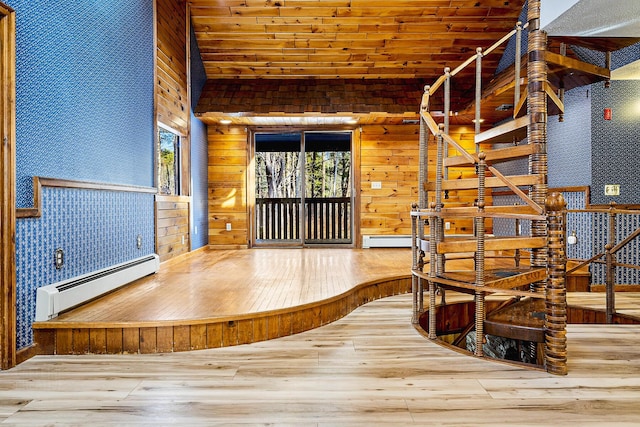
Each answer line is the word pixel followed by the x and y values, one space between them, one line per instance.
pixel 215 332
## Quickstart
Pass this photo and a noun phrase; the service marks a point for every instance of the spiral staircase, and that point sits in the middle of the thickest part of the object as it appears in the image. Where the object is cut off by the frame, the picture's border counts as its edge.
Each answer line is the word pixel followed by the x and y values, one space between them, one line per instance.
pixel 534 305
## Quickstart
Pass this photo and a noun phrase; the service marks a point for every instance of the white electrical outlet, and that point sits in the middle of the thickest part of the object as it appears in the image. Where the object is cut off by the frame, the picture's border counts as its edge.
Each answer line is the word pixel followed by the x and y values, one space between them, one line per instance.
pixel 447 226
pixel 376 185
pixel 58 258
pixel 228 226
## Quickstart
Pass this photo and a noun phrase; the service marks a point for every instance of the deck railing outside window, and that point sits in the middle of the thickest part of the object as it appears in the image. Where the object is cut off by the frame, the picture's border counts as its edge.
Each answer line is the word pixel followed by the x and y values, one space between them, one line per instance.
pixel 327 219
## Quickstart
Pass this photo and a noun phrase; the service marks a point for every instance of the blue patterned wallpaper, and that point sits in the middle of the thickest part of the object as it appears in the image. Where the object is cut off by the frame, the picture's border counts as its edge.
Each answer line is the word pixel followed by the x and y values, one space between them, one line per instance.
pixel 84 107
pixel 582 224
pixel 96 229
pixel 592 231
pixel 84 92
pixel 619 57
pixel 508 57
pixel 586 150
pixel 569 142
pixel 507 226
pixel 615 156
pixel 625 224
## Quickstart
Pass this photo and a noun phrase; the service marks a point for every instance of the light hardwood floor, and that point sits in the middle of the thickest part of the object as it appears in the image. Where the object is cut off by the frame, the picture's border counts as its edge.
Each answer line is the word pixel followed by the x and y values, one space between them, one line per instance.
pixel 238 282
pixel 370 368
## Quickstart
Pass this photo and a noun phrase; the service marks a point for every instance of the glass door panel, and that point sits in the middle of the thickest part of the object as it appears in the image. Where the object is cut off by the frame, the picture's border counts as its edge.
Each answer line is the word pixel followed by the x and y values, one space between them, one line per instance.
pixel 327 188
pixel 278 188
pixel 303 188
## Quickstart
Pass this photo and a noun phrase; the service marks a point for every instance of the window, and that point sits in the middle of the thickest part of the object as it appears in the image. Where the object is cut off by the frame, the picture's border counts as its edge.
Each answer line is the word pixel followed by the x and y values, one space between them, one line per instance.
pixel 168 162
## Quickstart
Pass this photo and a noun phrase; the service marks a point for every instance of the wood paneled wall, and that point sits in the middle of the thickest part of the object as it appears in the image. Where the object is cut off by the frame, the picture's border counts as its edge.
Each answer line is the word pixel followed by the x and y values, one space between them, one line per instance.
pixel 172 226
pixel 173 110
pixel 465 136
pixel 228 160
pixel 173 94
pixel 389 154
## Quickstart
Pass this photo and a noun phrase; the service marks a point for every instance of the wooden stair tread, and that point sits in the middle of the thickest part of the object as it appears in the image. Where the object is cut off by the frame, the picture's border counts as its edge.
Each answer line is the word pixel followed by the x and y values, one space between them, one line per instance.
pixel 504 278
pixel 523 320
pixel 569 73
pixel 514 130
pixel 506 211
pixel 494 156
pixel 491 244
pixel 490 182
pixel 505 281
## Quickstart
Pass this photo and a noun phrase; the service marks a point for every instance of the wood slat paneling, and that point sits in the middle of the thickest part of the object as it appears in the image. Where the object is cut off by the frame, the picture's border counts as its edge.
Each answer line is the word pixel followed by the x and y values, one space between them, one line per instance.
pixel 172 226
pixel 228 186
pixel 374 35
pixel 173 110
pixel 388 153
pixel 172 105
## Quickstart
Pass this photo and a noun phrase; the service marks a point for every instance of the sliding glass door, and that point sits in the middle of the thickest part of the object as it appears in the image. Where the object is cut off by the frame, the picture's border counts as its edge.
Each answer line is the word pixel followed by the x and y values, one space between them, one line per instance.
pixel 303 190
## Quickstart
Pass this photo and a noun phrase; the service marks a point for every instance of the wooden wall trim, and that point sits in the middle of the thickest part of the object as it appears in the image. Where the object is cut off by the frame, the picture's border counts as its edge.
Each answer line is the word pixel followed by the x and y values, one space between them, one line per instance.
pixel 7 190
pixel 171 198
pixel 39 182
pixel 26 354
pixel 577 189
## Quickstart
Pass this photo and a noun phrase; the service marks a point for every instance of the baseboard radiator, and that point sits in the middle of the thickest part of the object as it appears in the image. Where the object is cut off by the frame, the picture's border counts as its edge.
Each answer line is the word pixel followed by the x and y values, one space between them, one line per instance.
pixel 400 241
pixel 58 297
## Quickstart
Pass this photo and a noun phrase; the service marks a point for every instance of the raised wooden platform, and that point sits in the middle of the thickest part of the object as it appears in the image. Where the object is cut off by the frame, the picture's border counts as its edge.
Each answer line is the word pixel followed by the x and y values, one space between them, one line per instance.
pixel 224 298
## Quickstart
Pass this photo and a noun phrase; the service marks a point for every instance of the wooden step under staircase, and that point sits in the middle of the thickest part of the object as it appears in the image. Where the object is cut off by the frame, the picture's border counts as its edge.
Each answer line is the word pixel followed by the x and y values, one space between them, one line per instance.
pixel 532 96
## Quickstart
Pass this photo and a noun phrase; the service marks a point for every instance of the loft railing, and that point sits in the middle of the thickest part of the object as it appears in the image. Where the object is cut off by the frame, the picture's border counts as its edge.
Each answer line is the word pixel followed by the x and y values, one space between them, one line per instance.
pixel 326 219
pixel 608 258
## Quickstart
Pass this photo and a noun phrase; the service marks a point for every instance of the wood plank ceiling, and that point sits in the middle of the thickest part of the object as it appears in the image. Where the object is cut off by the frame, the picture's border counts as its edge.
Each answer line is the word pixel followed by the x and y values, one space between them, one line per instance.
pixel 309 40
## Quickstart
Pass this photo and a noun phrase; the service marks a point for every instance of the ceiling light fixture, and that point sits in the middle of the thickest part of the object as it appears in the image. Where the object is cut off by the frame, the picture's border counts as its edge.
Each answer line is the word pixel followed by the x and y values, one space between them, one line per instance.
pixel 225 122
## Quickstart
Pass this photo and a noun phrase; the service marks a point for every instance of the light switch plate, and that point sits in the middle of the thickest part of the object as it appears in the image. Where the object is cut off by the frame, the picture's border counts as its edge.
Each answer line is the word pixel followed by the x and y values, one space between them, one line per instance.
pixel 376 185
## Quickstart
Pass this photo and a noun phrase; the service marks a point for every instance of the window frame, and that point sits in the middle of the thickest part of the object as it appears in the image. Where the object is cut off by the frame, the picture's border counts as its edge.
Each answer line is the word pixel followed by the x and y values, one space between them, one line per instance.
pixel 178 159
